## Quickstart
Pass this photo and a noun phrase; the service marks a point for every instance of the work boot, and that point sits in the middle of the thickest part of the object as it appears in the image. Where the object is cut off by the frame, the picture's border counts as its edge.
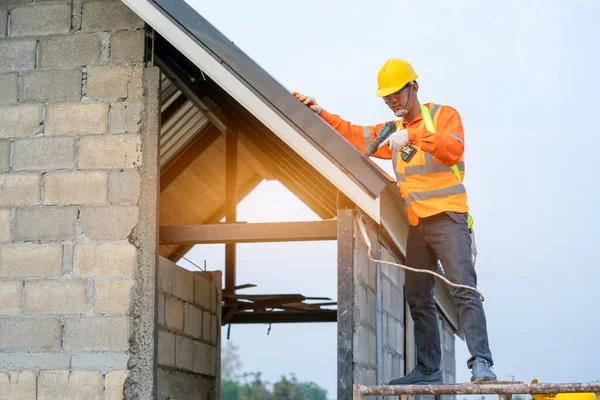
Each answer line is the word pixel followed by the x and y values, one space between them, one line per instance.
pixel 482 370
pixel 416 377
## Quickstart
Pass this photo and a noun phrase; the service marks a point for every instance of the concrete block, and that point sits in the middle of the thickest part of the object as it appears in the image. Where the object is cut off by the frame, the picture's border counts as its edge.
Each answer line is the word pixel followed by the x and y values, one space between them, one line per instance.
pixel 214 329
pixel 363 306
pixel 104 16
pixel 173 384
pixel 387 367
pixel 184 353
pixel 21 120
pixel 69 51
pixel 397 299
pixel 192 321
pixel 8 3
pixel 161 309
pixel 30 260
pixel 166 276
pixel 113 384
pixel 97 333
pixel 72 385
pixel 76 118
pixel 10 297
pixel 108 223
pixel 361 345
pixel 109 82
pixel 104 259
pixel 17 54
pixel 206 326
pixel 173 314
pixel 43 153
pixel 20 189
pixel 124 187
pixel 201 358
pixel 113 297
pixel 5 148
pixel 45 223
pixel 56 297
pixel 119 151
pixel 126 117
pixel 40 19
pixel 184 284
pixel 400 337
pixel 166 348
pixel 8 88
pixel 3 22
pixel 201 291
pixel 214 360
pixel 386 292
pixel 391 333
pixel 33 361
pixel 103 362
pixel 372 348
pixel 51 85
pixel 30 334
pixel 75 187
pixel 127 47
pixel 5 225
pixel 18 385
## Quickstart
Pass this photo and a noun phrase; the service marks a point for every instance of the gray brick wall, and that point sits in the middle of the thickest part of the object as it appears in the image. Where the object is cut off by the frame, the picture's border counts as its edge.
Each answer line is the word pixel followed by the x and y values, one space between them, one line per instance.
pixel 189 332
pixel 397 347
pixel 77 254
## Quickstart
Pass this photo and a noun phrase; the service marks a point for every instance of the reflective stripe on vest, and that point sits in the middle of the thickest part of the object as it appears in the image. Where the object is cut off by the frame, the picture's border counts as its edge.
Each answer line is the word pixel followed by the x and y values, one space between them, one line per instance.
pixel 367 136
pixel 430 194
pixel 453 190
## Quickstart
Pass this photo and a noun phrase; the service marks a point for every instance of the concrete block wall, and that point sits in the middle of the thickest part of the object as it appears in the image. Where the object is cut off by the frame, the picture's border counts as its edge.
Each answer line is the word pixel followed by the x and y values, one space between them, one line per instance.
pixel 382 345
pixel 78 173
pixel 393 325
pixel 189 321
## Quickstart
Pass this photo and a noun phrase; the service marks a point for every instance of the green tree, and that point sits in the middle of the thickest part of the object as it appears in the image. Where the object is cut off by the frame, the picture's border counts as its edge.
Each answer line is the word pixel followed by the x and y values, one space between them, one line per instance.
pixel 255 389
pixel 287 389
pixel 230 390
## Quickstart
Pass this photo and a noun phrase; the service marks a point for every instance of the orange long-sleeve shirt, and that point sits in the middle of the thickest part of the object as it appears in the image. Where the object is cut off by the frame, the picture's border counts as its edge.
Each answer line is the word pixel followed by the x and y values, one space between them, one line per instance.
pixel 447 144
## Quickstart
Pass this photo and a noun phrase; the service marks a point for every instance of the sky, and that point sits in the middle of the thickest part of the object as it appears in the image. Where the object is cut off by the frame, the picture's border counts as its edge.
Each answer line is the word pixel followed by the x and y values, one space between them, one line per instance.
pixel 524 78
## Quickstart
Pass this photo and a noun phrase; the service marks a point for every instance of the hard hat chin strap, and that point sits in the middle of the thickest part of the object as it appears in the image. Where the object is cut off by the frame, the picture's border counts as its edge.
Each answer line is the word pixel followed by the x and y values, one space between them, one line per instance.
pixel 401 114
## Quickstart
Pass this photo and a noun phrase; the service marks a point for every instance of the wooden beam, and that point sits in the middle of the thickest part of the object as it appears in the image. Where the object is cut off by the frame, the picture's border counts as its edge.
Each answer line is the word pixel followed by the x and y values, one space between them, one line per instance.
pixel 242 192
pixel 267 317
pixel 257 158
pixel 249 233
pixel 231 184
pixel 188 156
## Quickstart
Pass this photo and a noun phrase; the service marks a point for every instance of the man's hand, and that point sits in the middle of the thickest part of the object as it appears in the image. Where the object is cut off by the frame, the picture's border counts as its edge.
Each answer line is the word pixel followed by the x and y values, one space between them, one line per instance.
pixel 309 101
pixel 396 140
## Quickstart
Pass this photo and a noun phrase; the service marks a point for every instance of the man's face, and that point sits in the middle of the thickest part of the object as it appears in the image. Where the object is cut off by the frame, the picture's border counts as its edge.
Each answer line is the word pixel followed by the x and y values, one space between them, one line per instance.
pixel 397 100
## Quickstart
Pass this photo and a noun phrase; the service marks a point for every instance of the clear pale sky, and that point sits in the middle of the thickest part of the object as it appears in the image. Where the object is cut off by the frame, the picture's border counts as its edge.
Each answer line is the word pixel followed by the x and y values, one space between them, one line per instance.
pixel 525 78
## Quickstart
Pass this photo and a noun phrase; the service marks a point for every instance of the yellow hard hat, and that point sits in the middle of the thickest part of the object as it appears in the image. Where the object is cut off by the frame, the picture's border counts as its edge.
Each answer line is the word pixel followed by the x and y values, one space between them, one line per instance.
pixel 393 76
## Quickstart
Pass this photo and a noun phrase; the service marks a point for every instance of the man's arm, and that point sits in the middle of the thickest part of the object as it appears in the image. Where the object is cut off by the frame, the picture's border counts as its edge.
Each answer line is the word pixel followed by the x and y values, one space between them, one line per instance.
pixel 448 144
pixel 358 135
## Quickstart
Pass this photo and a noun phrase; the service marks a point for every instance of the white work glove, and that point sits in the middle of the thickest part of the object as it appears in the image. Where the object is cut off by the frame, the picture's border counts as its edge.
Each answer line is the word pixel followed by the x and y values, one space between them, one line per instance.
pixel 396 140
pixel 309 101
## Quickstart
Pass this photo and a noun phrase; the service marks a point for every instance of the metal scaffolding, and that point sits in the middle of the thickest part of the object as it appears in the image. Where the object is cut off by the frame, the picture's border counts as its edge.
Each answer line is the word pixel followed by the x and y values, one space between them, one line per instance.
pixel 504 390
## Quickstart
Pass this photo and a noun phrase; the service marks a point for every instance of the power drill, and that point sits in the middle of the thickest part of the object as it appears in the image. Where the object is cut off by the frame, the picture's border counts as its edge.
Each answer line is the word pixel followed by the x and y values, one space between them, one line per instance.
pixel 386 130
pixel 407 152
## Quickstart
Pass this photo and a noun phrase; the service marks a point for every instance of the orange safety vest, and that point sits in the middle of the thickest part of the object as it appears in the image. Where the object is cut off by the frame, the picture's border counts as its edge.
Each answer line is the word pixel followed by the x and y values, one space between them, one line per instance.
pixel 427 185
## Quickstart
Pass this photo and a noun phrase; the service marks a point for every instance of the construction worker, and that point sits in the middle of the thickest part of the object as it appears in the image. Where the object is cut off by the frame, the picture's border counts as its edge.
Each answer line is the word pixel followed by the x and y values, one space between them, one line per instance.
pixel 436 206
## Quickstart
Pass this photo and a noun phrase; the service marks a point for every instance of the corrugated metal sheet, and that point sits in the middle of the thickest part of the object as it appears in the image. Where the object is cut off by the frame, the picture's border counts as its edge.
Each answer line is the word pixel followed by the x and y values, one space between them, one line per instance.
pixel 181 127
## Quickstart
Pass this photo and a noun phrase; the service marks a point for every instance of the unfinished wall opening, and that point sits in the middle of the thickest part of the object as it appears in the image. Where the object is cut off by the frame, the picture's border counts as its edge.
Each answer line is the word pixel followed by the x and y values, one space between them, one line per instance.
pixel 306 268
